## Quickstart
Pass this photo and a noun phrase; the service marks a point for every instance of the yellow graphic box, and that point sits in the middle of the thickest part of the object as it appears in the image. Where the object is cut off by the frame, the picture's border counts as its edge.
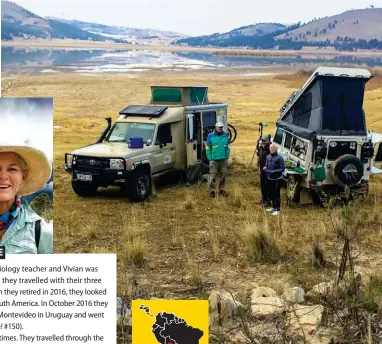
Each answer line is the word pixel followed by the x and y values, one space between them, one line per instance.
pixel 170 321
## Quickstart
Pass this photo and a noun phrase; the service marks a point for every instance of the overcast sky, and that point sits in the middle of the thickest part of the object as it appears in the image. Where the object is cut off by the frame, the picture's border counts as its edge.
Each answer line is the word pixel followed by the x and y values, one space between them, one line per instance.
pixel 27 121
pixel 193 17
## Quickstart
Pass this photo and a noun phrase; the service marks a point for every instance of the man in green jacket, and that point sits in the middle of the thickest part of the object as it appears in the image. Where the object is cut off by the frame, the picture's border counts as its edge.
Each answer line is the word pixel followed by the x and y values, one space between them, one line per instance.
pixel 218 152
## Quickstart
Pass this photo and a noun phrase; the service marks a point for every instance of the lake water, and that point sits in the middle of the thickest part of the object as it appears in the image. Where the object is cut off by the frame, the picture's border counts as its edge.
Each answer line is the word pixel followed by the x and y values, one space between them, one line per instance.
pixel 101 61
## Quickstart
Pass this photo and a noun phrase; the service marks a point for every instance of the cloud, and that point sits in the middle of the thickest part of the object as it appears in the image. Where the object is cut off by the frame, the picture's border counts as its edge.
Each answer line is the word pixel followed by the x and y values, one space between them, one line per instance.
pixel 27 121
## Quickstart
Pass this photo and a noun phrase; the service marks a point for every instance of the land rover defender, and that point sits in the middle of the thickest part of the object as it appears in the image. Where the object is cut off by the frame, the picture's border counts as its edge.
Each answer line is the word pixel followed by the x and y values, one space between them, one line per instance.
pixel 147 141
pixel 322 135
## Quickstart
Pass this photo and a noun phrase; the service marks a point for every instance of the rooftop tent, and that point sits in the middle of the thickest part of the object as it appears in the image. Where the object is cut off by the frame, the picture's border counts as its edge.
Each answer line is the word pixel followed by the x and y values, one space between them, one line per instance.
pixel 342 101
pixel 330 102
pixel 182 95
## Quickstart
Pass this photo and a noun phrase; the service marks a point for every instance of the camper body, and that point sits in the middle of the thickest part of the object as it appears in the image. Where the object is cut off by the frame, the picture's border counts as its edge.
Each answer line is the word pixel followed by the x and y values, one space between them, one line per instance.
pixel 147 141
pixel 322 136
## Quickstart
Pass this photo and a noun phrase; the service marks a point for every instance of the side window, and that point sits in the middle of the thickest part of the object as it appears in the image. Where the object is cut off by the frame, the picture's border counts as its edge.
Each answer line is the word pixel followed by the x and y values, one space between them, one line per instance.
pixel 192 128
pixel 278 136
pixel 294 148
pixel 164 134
pixel 288 140
pixel 209 119
pixel 298 148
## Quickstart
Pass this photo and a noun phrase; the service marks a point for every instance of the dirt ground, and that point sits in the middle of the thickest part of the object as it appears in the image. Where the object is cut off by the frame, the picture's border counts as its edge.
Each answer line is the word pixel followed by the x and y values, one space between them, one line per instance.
pixel 181 244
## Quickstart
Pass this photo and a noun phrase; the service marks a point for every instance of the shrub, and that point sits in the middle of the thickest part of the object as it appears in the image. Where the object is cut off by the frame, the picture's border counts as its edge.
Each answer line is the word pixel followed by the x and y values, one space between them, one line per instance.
pixel 261 245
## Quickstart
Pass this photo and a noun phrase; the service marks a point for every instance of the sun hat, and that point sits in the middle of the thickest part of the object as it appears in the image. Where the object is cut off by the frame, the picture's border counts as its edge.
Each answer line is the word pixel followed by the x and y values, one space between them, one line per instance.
pixel 39 167
pixel 219 124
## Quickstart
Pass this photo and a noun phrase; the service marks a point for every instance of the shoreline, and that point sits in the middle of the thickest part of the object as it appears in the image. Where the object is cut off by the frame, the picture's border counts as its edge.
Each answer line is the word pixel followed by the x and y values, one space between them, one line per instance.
pixel 224 72
pixel 86 45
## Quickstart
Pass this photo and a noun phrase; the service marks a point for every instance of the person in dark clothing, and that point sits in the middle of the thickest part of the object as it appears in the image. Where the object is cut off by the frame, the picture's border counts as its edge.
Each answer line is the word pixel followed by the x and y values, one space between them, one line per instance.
pixel 274 167
pixel 263 152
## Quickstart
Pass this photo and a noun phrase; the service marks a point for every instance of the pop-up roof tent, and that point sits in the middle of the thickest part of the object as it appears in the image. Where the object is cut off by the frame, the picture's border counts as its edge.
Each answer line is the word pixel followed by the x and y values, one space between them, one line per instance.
pixel 182 95
pixel 329 103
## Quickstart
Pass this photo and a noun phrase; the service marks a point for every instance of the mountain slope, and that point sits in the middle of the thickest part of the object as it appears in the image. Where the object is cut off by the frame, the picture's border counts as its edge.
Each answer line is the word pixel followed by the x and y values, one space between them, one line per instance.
pixel 258 29
pixel 119 30
pixel 242 36
pixel 351 30
pixel 356 24
pixel 16 21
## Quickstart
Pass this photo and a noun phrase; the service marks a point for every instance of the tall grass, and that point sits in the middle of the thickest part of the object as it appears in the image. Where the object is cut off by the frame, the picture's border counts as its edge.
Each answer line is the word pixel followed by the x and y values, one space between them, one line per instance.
pixel 262 246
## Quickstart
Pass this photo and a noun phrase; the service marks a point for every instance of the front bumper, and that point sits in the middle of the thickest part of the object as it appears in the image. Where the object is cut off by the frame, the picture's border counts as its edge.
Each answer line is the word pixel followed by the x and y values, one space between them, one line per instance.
pixel 96 168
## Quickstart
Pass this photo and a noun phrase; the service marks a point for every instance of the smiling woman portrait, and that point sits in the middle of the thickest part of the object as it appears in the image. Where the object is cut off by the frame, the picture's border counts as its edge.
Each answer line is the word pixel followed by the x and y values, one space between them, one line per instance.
pixel 23 171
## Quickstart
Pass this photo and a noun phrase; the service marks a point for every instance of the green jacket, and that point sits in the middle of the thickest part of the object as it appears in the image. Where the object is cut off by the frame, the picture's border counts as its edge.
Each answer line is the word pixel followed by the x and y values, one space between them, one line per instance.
pixel 217 146
pixel 20 236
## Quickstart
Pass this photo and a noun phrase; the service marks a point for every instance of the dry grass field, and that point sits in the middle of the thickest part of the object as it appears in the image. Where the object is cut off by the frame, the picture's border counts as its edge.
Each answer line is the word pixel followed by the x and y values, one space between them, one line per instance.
pixel 181 244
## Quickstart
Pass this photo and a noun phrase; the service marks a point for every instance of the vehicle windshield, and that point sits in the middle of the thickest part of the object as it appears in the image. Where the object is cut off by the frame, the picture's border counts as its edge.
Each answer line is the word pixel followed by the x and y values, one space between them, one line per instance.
pixel 122 132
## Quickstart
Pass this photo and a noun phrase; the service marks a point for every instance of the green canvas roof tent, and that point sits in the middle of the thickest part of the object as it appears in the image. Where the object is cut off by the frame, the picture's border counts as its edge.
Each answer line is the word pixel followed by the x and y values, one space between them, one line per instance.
pixel 179 95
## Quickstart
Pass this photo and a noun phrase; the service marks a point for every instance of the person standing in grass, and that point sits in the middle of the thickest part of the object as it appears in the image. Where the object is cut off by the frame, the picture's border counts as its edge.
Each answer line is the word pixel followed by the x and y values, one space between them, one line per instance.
pixel 263 152
pixel 274 167
pixel 218 152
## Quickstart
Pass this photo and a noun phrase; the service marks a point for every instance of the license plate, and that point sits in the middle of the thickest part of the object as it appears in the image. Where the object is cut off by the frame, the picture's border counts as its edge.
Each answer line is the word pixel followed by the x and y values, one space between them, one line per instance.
pixel 84 177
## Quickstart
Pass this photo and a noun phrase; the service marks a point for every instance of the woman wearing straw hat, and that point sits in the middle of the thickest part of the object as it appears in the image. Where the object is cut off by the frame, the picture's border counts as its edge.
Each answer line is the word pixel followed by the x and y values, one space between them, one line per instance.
pixel 23 171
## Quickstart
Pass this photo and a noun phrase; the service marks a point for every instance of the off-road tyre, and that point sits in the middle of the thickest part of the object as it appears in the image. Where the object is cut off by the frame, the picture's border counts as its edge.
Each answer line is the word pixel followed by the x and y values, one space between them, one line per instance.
pixel 347 170
pixel 139 186
pixel 84 189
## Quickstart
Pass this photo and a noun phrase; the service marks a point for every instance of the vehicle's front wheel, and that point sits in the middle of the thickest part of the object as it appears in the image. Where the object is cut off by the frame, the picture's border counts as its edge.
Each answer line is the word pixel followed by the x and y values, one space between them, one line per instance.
pixel 138 186
pixel 84 189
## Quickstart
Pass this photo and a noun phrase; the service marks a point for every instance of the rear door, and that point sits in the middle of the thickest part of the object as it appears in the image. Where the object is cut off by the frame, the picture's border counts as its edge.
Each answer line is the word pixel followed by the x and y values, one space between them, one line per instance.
pixel 191 143
pixel 336 148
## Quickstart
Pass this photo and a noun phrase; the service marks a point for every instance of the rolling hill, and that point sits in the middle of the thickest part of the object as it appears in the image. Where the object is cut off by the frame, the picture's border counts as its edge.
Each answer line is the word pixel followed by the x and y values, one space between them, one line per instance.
pixel 242 36
pixel 351 30
pixel 355 24
pixel 120 30
pixel 16 21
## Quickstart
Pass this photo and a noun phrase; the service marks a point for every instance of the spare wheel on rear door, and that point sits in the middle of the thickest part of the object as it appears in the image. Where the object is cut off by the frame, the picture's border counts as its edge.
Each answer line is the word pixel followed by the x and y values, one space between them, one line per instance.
pixel 347 170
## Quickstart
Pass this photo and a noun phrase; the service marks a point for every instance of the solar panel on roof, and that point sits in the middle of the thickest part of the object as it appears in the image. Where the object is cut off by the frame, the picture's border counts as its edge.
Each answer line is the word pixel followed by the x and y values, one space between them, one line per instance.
pixel 144 110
